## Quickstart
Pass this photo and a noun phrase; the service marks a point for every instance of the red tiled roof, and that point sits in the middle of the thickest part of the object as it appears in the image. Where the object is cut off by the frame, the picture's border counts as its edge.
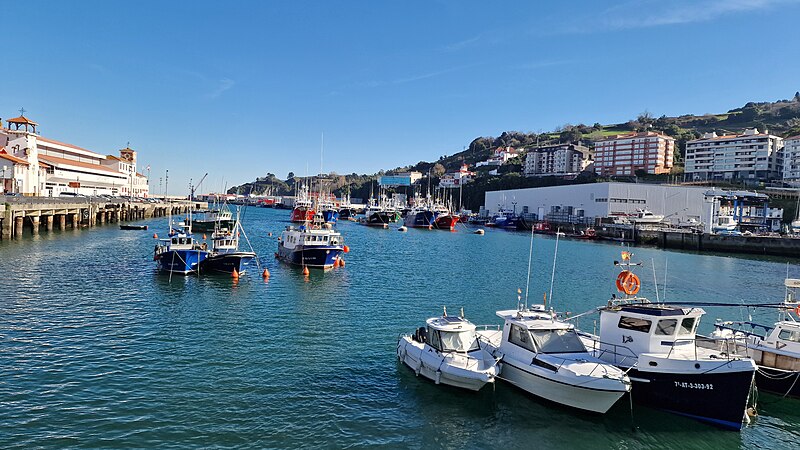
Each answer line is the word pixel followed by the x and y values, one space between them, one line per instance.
pixel 22 119
pixel 792 138
pixel 14 159
pixel 55 161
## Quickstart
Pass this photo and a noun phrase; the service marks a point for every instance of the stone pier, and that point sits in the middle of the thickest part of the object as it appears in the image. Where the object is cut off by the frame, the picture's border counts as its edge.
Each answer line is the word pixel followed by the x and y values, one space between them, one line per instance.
pixel 18 221
pixel 35 225
pixel 62 222
pixel 48 221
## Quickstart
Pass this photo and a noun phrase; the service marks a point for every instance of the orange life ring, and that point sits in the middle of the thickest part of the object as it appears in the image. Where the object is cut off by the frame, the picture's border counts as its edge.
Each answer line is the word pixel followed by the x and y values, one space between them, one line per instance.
pixel 628 282
pixel 797 311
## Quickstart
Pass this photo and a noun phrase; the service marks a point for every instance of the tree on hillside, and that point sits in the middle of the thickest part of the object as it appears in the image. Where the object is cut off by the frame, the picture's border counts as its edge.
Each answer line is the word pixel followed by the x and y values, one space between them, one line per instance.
pixel 438 170
pixel 571 135
pixel 289 176
pixel 797 96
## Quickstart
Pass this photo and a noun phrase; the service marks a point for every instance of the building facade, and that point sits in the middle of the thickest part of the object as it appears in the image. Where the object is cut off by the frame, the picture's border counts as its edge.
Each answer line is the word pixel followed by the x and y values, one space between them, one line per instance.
pixel 791 159
pixel 500 156
pixel 748 156
pixel 557 160
pixel 457 179
pixel 623 155
pixel 52 167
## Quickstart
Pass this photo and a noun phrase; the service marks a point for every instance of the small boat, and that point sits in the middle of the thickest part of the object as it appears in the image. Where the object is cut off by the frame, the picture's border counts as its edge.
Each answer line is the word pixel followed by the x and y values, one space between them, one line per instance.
pixel 377 215
pixel 225 255
pixel 444 220
pixel 447 351
pixel 545 357
pixel 180 252
pixel 504 219
pixel 775 349
pixel 314 244
pixel 670 366
pixel 133 227
pixel 646 216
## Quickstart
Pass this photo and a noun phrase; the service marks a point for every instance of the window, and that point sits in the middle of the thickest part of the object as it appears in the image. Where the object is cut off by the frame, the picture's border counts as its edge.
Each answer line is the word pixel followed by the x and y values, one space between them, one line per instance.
pixel 433 339
pixel 666 327
pixel 558 341
pixel 519 336
pixel 458 341
pixel 791 336
pixel 687 326
pixel 635 324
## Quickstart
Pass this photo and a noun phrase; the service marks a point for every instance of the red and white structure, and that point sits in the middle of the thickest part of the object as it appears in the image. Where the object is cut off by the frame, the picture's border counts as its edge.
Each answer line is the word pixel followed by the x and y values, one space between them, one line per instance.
pixel 751 155
pixel 456 179
pixel 623 155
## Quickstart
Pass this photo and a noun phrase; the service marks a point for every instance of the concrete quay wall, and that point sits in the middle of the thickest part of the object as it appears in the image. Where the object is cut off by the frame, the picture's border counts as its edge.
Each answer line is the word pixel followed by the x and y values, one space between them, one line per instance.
pixel 36 214
pixel 756 245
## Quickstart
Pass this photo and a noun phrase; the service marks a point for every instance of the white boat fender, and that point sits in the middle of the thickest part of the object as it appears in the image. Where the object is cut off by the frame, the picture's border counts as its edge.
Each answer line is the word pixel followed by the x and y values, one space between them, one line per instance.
pixel 479 231
pixel 403 228
pixel 438 376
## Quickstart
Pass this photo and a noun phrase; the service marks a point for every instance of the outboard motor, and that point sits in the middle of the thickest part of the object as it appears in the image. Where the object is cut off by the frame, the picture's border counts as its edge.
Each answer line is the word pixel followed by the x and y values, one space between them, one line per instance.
pixel 421 335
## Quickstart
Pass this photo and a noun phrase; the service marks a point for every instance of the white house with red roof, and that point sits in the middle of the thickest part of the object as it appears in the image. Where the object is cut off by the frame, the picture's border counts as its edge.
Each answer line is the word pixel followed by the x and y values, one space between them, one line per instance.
pixel 53 167
pixel 456 179
pixel 500 156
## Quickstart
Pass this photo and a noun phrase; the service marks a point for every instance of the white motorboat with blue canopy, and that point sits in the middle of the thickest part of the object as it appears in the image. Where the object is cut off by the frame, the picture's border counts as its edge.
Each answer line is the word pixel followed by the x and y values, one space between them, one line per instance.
pixel 447 350
pixel 545 357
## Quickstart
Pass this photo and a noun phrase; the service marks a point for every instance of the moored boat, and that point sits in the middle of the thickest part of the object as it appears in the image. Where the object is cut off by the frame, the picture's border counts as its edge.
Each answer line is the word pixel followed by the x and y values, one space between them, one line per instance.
pixel 180 252
pixel 419 217
pixel 775 349
pixel 545 357
pixel 225 255
pixel 447 351
pixel 133 227
pixel 314 244
pixel 303 210
pixel 670 366
pixel 211 219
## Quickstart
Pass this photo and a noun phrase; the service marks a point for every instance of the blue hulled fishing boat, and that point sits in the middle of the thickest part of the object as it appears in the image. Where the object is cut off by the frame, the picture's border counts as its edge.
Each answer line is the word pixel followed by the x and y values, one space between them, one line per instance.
pixel 180 252
pixel 314 244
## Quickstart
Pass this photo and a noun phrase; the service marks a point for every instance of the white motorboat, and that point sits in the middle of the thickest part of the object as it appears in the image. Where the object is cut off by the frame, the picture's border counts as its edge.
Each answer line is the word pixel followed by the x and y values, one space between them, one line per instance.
pixel 448 351
pixel 646 216
pixel 545 357
pixel 724 224
pixel 775 349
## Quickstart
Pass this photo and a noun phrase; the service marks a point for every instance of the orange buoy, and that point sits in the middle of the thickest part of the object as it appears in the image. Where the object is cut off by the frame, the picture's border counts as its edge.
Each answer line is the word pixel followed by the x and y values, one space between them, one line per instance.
pixel 204 236
pixel 305 271
pixel 269 234
pixel 346 249
pixel 335 263
pixel 155 236
pixel 341 262
pixel 235 274
pixel 265 273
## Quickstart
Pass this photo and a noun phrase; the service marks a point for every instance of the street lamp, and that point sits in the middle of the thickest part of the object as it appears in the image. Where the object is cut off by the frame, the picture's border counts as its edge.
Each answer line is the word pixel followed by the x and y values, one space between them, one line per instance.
pixel 4 178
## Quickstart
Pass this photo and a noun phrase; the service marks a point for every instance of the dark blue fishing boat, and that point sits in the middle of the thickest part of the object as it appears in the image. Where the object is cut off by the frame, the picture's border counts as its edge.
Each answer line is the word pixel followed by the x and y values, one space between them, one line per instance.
pixel 315 244
pixel 180 252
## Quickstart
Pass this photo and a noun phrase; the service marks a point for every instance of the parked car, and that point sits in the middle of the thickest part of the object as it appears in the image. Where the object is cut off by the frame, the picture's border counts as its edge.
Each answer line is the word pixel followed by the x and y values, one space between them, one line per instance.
pixel 71 194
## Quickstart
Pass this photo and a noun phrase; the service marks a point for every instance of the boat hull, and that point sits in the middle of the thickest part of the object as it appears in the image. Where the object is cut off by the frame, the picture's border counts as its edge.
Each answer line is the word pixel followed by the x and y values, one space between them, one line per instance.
pixel 445 222
pixel 433 366
pixel 180 261
pixel 716 398
pixel 227 262
pixel 330 216
pixel 422 219
pixel 322 257
pixel 538 383
pixel 302 215
pixel 380 219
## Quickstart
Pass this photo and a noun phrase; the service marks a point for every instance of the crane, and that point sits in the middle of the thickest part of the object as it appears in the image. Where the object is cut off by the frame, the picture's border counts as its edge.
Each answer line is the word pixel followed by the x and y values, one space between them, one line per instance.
pixel 194 188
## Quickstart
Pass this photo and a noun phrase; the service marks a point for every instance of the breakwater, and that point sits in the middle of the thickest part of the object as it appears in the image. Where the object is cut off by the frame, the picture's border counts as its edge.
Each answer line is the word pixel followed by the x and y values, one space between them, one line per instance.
pixel 36 214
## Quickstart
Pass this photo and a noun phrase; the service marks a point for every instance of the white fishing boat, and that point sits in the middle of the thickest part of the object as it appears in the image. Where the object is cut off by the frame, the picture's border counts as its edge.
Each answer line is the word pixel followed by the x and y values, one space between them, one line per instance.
pixel 545 357
pixel 776 348
pixel 447 351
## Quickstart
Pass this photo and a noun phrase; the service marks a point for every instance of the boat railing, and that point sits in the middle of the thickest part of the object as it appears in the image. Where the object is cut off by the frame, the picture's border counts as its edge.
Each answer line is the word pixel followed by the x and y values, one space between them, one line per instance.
pixel 739 328
pixel 728 348
pixel 619 355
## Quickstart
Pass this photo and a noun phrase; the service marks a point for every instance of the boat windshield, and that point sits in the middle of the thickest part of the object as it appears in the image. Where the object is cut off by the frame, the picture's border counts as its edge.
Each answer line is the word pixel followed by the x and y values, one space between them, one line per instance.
pixel 557 341
pixel 458 341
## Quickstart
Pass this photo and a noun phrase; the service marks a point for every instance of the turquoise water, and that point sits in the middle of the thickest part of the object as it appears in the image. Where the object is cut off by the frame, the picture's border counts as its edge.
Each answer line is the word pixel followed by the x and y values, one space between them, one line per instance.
pixel 97 350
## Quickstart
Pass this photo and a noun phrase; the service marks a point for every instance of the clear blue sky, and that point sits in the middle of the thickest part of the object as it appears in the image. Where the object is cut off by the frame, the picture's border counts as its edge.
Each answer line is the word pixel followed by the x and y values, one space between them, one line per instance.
pixel 239 89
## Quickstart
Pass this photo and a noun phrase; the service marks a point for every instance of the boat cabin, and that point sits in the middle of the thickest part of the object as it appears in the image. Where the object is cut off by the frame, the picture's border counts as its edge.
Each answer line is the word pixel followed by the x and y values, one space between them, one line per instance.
pixel 536 331
pixel 785 337
pixel 647 328
pixel 449 334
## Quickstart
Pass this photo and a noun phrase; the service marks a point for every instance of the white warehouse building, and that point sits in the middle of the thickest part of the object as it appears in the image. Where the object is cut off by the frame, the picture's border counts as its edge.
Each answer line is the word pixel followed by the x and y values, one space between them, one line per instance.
pixel 678 204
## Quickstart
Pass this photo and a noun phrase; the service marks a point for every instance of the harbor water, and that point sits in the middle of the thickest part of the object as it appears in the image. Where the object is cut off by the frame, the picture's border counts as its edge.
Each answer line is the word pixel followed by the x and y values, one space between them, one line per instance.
pixel 97 350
